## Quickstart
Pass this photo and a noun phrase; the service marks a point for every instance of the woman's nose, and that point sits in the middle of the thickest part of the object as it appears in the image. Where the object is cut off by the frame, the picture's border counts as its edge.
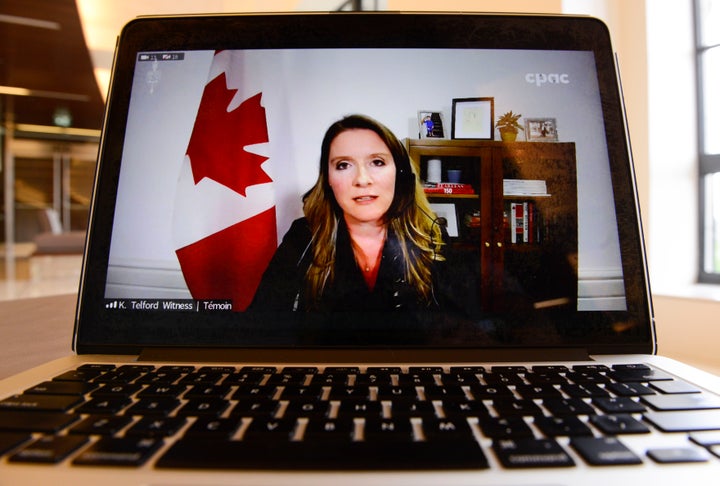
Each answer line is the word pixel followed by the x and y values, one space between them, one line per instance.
pixel 362 177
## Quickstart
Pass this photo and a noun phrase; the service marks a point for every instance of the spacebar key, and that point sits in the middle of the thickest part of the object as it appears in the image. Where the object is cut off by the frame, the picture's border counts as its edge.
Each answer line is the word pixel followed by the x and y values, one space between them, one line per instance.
pixel 218 454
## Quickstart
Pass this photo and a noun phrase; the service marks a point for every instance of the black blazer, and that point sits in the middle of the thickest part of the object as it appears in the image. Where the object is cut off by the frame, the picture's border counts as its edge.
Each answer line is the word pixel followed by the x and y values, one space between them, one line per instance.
pixel 455 283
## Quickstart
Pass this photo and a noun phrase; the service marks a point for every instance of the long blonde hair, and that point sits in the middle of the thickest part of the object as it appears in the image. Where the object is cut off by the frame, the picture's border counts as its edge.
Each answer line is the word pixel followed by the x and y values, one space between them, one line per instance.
pixel 409 217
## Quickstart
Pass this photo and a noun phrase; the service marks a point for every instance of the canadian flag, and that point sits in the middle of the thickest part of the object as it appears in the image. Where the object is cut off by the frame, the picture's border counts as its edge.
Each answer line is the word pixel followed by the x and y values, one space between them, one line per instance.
pixel 224 224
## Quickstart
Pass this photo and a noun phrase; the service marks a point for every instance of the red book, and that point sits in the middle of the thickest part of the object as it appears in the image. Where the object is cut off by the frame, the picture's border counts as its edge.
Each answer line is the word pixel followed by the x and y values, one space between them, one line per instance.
pixel 447 188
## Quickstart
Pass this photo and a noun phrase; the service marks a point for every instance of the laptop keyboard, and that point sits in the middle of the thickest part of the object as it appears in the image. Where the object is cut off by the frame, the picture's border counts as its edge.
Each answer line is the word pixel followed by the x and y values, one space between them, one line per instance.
pixel 358 418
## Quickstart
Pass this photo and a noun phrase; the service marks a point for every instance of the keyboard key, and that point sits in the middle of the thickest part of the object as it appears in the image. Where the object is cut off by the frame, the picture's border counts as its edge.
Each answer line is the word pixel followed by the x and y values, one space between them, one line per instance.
pixel 342 392
pixel 545 378
pixel 368 456
pixel 162 390
pixel 638 375
pixel 156 427
pixel 306 408
pixel 538 391
pixel 690 401
pixel 685 421
pixel 525 453
pixel 505 428
pixel 206 377
pixel 586 377
pixel 360 408
pixel 50 449
pixel 101 425
pixel 619 424
pixel 435 392
pixel 396 392
pixel 380 430
pixel 205 390
pixel 567 406
pixel 204 406
pixel 276 430
pixel 158 377
pixel 245 378
pixel 459 379
pixel 495 379
pixel 464 408
pixel 562 426
pixel 254 392
pixel 618 405
pixel 416 379
pixel 447 430
pixel 79 374
pixel 675 455
pixel 330 430
pixel 213 427
pixel 45 422
pixel 288 379
pixel 706 439
pixel 412 408
pixel 154 406
pixel 506 407
pixel 128 451
pixel 630 389
pixel 484 392
pixel 312 392
pixel 675 386
pixel 116 390
pixel 333 377
pixel 104 405
pixel 120 375
pixel 11 440
pixel 604 451
pixel 587 390
pixel 256 408
pixel 41 403
pixel 61 388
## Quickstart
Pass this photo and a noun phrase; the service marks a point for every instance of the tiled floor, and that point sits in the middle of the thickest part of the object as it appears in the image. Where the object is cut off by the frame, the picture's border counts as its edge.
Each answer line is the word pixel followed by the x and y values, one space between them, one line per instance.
pixel 49 275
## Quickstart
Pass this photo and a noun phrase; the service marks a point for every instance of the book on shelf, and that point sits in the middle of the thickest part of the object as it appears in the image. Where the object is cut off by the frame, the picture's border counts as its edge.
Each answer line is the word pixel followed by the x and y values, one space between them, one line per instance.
pixel 448 188
pixel 524 187
pixel 524 223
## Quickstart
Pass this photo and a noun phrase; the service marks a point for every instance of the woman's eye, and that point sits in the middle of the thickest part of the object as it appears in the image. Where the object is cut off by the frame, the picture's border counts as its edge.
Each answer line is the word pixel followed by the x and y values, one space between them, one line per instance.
pixel 342 165
pixel 378 162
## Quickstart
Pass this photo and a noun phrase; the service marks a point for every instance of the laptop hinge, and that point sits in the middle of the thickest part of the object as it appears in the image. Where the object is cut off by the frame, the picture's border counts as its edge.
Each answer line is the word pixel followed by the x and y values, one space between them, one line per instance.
pixel 279 355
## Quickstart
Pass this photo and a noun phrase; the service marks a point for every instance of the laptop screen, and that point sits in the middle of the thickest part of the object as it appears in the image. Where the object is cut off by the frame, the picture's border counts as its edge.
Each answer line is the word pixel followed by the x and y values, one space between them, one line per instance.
pixel 347 191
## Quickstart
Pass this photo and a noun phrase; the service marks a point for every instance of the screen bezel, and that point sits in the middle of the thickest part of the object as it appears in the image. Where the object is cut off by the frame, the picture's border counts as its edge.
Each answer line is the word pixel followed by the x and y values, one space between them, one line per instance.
pixel 101 330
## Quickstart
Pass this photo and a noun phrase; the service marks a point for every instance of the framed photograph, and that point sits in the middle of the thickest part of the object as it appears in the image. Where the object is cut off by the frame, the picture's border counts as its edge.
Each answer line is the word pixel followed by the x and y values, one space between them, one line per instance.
pixel 430 124
pixel 447 211
pixel 541 130
pixel 472 118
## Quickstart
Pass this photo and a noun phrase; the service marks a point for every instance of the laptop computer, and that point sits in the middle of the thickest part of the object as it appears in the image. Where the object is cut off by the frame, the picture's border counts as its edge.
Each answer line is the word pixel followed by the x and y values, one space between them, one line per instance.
pixel 477 311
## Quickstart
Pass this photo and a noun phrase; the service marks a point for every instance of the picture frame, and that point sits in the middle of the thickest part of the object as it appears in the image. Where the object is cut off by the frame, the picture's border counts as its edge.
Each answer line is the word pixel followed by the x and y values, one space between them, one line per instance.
pixel 541 130
pixel 473 118
pixel 431 124
pixel 449 212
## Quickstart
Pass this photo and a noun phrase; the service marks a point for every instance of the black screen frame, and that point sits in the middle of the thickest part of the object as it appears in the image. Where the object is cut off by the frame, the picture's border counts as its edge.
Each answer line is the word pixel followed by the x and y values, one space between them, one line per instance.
pixel 101 330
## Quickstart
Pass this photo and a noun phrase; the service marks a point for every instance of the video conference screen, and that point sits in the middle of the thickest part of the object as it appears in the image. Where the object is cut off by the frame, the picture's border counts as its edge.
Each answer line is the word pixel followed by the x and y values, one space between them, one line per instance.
pixel 222 149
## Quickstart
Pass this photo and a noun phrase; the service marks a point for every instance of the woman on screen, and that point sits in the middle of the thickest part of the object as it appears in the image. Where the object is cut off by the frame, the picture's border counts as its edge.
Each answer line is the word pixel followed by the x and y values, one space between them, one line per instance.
pixel 369 240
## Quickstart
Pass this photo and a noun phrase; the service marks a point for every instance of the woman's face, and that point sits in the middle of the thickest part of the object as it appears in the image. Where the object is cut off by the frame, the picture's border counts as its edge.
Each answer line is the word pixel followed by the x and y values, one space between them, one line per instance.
pixel 361 173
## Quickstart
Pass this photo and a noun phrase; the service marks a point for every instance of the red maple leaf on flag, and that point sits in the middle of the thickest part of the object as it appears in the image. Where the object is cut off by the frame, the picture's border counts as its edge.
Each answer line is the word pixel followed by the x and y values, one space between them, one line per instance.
pixel 217 144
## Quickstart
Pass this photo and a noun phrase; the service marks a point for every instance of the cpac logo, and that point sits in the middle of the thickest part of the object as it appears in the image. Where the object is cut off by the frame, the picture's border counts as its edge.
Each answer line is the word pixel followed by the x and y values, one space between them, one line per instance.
pixel 541 78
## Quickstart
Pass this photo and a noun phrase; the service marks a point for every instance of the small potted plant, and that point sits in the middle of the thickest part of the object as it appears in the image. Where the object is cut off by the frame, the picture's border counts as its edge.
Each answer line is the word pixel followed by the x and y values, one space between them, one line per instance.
pixel 508 126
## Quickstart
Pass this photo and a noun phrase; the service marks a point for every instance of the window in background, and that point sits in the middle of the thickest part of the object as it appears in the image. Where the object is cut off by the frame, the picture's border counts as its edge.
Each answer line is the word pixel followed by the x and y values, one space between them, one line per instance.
pixel 707 18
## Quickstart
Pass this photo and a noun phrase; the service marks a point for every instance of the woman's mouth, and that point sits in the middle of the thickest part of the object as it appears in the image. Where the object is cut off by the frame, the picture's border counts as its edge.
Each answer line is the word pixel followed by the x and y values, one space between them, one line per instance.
pixel 364 199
